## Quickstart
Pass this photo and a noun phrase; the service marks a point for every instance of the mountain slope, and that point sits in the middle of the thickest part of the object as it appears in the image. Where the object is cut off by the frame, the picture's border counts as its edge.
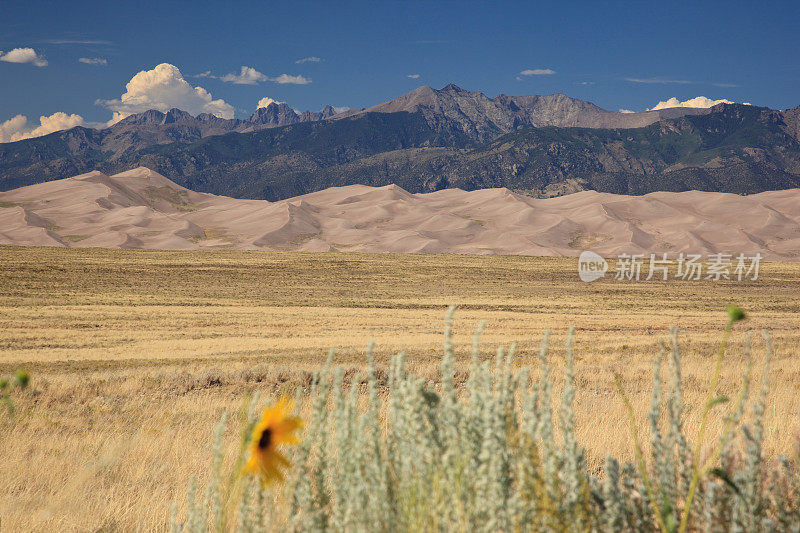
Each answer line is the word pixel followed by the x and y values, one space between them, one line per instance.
pixel 432 139
pixel 733 148
pixel 142 209
pixel 484 118
pixel 466 118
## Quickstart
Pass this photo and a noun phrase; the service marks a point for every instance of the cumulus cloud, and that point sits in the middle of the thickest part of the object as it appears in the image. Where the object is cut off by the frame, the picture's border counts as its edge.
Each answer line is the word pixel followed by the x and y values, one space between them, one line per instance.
pixel 250 76
pixel 264 102
pixel 17 128
pixel 312 59
pixel 23 55
pixel 697 102
pixel 538 72
pixel 293 80
pixel 413 76
pixel 13 128
pixel 626 111
pixel 246 76
pixel 93 61
pixel 163 88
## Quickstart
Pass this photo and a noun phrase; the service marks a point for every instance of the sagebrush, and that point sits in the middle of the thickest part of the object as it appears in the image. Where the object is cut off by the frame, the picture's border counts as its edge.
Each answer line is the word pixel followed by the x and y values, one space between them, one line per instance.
pixel 495 455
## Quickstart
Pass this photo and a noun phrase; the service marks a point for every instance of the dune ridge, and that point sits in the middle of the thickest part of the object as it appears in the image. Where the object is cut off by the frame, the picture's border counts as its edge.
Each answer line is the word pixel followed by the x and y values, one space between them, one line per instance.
pixel 143 209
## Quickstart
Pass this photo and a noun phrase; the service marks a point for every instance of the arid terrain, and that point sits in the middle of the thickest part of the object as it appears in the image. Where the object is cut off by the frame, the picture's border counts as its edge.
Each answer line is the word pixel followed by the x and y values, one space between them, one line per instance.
pixel 134 354
pixel 142 209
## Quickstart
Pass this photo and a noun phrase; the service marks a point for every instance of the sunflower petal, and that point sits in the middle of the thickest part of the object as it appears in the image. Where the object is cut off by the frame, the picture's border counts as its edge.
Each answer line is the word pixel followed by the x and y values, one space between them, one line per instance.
pixel 264 458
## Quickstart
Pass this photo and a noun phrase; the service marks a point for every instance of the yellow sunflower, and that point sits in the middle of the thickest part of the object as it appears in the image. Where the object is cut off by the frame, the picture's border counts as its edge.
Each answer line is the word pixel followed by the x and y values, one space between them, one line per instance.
pixel 275 428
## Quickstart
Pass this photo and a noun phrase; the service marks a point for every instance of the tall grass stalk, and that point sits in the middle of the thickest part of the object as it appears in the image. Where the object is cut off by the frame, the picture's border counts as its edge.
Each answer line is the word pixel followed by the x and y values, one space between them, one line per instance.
pixel 391 451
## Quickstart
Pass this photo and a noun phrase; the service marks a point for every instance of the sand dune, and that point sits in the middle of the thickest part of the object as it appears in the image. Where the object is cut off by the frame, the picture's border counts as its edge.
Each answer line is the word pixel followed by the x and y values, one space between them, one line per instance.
pixel 142 209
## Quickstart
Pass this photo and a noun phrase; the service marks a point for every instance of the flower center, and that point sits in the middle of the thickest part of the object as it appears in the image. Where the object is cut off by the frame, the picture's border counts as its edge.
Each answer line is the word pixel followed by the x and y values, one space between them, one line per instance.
pixel 266 438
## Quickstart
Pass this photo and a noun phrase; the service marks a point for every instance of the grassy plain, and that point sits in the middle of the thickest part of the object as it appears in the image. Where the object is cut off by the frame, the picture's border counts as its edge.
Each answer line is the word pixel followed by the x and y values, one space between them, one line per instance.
pixel 135 354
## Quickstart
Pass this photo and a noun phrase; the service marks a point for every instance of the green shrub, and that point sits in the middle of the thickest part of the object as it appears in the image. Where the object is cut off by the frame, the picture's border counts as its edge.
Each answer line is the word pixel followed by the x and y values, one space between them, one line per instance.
pixel 19 381
pixel 495 456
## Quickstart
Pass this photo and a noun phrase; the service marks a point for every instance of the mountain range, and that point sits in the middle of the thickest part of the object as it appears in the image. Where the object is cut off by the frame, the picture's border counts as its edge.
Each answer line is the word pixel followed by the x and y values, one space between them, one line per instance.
pixel 431 139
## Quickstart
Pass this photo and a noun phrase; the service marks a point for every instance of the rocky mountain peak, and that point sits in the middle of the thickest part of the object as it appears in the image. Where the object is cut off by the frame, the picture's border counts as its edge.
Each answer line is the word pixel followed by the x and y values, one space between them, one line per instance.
pixel 481 118
pixel 451 88
pixel 177 115
pixel 276 114
pixel 151 116
pixel 327 112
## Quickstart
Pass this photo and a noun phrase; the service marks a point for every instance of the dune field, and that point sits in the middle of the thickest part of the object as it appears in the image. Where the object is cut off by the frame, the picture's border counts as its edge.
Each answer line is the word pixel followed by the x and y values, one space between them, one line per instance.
pixel 142 209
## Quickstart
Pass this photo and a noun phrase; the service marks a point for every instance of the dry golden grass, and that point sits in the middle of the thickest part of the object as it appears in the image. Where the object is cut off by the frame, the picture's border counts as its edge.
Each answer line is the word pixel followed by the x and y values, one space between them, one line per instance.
pixel 135 354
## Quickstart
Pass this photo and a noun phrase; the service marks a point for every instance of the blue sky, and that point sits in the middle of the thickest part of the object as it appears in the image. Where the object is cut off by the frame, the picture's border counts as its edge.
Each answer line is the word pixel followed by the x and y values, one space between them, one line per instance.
pixel 741 51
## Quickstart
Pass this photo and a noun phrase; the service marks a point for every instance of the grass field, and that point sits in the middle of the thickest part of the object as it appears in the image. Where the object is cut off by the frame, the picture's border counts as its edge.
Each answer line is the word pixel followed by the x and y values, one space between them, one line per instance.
pixel 135 354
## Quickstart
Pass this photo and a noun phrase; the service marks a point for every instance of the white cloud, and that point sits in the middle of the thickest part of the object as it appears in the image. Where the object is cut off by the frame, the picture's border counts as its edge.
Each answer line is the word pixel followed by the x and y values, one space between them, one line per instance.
pixel 246 76
pixel 413 76
pixel 697 102
pixel 206 74
pixel 538 72
pixel 341 109
pixel 163 88
pixel 586 83
pixel 23 55
pixel 93 61
pixel 11 129
pixel 16 128
pixel 77 41
pixel 626 111
pixel 293 80
pixel 656 80
pixel 312 59
pixel 264 102
pixel 250 76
